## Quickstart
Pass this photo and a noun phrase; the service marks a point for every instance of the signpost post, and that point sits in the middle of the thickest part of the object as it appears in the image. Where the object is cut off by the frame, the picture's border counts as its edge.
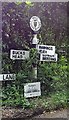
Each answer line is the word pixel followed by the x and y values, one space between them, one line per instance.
pixel 35 24
pixel 47 53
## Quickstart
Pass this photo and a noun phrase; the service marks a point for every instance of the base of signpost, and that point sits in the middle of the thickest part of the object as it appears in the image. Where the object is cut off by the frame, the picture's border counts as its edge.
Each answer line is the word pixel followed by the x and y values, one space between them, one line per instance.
pixel 35 72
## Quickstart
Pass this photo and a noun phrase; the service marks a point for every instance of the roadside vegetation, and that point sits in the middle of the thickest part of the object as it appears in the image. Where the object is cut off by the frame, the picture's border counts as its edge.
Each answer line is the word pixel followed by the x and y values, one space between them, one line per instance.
pixel 17 34
pixel 53 78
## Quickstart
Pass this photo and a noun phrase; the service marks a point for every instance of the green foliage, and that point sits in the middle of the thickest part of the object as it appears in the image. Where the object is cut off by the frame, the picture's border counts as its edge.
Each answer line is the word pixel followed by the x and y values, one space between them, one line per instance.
pixel 53 78
pixel 29 3
pixel 54 75
pixel 12 97
pixel 59 99
pixel 18 3
pixel 53 101
pixel 56 101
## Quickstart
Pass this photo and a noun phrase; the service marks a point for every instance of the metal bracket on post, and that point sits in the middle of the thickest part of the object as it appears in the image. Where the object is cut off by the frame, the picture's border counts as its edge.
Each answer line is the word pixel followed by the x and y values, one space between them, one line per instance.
pixel 35 40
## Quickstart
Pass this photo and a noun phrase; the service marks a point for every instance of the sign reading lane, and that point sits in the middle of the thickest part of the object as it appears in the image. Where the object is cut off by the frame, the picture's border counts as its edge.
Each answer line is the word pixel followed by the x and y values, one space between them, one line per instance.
pixel 47 49
pixel 19 54
pixel 4 77
pixel 44 57
pixel 32 89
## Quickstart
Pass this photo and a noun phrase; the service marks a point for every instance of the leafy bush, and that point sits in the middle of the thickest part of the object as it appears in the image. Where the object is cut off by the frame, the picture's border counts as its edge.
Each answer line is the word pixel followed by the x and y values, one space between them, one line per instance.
pixel 54 75
pixel 12 97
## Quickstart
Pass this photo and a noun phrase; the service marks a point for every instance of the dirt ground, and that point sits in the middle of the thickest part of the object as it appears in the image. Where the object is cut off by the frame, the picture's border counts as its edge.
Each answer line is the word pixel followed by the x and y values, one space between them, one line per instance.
pixel 54 114
pixel 30 113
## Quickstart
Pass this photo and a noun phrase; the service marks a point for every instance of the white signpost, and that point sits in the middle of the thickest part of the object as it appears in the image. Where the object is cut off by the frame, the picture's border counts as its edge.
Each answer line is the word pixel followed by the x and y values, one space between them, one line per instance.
pixel 19 54
pixel 44 57
pixel 32 89
pixel 5 77
pixel 47 49
pixel 47 53
pixel 35 24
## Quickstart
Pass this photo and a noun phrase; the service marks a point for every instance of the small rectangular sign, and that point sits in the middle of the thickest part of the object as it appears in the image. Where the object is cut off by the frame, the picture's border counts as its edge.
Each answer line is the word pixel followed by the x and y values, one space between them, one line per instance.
pixel 44 57
pixel 32 89
pixel 19 54
pixel 4 77
pixel 47 49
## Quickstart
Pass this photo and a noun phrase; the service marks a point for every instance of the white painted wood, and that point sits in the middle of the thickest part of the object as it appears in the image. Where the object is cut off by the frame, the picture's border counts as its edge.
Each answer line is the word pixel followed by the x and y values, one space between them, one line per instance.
pixel 32 89
pixel 47 49
pixel 35 23
pixel 44 57
pixel 19 54
pixel 5 77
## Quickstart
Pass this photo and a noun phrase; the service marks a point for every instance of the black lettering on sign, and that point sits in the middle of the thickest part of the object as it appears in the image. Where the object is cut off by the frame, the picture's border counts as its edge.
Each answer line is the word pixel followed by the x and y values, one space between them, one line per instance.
pixel 52 59
pixel 14 56
pixel 10 77
pixel 17 52
pixel 21 56
pixel 40 51
pixel 18 56
pixel 3 77
pixel 20 52
pixel 31 85
pixel 46 47
pixel 7 77
pixel 23 53
pixel 13 52
pixel 51 48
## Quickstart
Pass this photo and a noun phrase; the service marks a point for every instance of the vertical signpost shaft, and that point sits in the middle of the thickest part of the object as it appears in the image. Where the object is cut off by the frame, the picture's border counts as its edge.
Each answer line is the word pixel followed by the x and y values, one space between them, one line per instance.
pixel 35 42
pixel 35 25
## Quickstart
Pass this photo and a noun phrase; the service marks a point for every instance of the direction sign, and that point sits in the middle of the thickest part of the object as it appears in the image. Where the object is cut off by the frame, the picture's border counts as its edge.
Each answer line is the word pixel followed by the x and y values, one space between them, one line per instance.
pixel 44 57
pixel 35 23
pixel 4 77
pixel 19 54
pixel 47 49
pixel 32 89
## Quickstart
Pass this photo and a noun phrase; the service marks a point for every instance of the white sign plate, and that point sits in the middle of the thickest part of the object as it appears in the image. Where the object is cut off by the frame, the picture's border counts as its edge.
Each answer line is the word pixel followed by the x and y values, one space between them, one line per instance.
pixel 19 54
pixel 44 57
pixel 35 23
pixel 4 77
pixel 47 49
pixel 32 89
